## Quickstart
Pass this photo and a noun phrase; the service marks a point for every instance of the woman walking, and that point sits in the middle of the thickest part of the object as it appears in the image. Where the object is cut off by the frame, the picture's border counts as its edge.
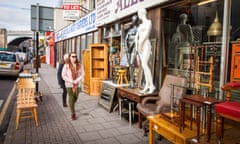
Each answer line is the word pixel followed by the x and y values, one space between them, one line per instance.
pixel 72 74
pixel 61 82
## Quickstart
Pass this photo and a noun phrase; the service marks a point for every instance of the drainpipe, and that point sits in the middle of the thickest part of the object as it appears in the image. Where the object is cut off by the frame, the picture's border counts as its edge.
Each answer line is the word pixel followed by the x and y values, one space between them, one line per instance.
pixel 225 44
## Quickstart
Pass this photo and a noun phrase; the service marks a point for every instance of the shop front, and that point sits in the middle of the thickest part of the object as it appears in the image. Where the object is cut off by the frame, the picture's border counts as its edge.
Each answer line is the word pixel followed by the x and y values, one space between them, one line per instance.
pixel 189 39
pixel 184 34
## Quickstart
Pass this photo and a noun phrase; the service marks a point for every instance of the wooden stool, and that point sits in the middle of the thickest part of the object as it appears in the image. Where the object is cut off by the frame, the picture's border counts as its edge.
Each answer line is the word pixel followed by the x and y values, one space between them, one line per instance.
pixel 122 74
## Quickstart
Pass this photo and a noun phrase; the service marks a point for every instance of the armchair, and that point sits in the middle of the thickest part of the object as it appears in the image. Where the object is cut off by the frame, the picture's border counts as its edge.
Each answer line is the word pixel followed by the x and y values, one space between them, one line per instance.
pixel 227 110
pixel 162 103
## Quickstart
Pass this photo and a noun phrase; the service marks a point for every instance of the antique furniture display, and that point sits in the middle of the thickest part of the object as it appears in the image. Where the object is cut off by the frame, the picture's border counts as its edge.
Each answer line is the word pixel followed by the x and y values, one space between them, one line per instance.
pixel 26 103
pixel 132 95
pixel 227 110
pixel 198 101
pixel 162 103
pixel 200 65
pixel 235 63
pixel 168 130
pixel 97 68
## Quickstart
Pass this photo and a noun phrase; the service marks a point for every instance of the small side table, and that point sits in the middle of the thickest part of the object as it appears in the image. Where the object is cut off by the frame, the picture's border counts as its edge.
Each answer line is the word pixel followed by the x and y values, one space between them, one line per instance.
pixel 132 95
pixel 198 101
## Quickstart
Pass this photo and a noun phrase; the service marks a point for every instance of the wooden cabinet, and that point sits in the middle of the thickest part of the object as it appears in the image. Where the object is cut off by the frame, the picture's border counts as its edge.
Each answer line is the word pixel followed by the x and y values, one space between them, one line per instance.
pixel 86 63
pixel 235 63
pixel 96 61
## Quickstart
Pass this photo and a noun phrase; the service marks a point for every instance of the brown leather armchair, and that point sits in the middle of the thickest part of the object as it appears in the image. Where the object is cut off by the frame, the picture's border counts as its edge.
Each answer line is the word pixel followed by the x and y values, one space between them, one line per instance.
pixel 172 88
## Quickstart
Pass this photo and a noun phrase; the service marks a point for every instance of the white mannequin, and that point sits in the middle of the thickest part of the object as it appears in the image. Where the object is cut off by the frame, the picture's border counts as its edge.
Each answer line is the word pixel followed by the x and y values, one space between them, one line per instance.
pixel 144 49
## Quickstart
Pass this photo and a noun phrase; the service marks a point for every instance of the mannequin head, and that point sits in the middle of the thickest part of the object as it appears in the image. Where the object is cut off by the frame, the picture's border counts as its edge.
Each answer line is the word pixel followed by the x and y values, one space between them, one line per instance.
pixel 142 13
pixel 134 20
pixel 183 18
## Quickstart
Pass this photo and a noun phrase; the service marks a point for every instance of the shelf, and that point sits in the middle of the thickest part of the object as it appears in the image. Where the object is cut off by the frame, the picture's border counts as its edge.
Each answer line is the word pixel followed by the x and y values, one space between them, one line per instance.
pixel 96 65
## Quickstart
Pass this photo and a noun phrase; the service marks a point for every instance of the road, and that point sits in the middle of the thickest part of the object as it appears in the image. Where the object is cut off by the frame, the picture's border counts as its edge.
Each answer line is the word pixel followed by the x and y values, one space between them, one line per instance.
pixel 7 96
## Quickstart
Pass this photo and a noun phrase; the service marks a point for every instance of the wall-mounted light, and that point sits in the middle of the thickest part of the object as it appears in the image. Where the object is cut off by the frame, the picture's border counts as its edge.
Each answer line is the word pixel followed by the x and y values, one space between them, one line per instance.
pixel 205 2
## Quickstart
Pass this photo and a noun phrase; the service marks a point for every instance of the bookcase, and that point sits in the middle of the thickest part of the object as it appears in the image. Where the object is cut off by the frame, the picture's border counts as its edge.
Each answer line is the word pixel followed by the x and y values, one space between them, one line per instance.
pixel 96 61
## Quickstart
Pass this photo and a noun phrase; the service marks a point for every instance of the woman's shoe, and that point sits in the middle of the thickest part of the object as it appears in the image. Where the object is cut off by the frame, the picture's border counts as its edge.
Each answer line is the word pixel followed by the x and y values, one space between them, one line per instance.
pixel 74 117
pixel 65 105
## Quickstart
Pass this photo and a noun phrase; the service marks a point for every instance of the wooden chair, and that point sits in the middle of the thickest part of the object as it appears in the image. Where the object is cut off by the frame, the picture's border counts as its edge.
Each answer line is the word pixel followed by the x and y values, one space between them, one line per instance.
pixel 204 69
pixel 227 110
pixel 26 104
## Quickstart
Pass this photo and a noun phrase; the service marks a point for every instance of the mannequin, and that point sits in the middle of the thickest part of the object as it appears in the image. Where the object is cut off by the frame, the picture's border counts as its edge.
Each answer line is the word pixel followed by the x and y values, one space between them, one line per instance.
pixel 144 49
pixel 186 31
pixel 185 34
pixel 131 50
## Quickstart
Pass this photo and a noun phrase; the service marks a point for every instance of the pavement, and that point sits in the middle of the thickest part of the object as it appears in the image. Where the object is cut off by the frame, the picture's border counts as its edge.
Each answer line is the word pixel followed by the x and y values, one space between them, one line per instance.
pixel 94 124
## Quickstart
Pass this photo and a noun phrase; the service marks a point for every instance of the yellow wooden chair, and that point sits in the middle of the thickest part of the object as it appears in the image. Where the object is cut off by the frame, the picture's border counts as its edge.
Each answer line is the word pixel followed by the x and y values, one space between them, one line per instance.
pixel 199 74
pixel 26 104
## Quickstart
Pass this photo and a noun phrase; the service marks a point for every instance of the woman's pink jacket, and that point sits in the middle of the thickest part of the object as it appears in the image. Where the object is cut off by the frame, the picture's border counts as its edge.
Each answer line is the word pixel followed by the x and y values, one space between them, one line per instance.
pixel 67 75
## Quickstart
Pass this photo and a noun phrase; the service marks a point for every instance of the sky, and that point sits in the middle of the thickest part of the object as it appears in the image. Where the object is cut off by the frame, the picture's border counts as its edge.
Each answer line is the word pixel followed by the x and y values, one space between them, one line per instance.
pixel 16 14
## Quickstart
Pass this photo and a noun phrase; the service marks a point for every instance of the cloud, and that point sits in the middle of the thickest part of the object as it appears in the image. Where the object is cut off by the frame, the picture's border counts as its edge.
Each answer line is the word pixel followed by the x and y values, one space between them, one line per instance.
pixel 16 14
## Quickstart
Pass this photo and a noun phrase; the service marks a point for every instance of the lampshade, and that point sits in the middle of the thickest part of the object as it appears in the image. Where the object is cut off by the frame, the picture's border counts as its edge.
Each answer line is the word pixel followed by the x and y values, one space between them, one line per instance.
pixel 216 28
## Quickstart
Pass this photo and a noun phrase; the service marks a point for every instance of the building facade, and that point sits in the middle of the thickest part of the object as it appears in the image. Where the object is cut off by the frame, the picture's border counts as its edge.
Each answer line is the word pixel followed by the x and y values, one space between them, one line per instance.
pixel 173 51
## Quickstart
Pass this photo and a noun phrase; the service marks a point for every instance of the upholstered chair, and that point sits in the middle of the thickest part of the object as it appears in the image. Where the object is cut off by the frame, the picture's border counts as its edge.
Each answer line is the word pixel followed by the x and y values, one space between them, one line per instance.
pixel 162 103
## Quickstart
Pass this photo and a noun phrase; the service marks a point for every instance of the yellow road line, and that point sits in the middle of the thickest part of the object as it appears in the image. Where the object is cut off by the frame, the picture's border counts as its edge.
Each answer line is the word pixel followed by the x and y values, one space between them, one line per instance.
pixel 2 114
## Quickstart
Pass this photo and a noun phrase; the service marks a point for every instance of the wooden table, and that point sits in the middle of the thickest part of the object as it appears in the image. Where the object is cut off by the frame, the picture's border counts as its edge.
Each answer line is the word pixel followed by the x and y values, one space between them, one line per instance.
pixel 198 101
pixel 170 131
pixel 134 96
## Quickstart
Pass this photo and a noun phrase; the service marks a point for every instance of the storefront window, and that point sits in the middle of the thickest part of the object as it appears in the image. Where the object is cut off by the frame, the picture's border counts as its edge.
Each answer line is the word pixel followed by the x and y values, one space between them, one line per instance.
pixel 73 44
pixel 66 46
pixel 78 47
pixel 89 39
pixel 193 35
pixel 95 37
pixel 83 42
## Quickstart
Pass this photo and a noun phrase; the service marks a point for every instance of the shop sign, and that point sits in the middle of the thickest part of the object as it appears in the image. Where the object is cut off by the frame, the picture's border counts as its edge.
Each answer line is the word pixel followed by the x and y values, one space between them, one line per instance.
pixel 111 10
pixel 43 20
pixel 83 25
pixel 71 9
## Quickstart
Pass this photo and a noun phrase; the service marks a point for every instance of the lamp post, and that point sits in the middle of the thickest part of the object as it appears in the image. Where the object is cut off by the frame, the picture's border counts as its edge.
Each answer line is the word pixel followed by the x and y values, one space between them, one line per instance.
pixel 37 64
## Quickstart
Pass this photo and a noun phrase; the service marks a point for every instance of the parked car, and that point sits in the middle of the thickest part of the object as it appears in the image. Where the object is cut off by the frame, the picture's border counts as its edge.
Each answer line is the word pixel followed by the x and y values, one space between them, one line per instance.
pixel 23 57
pixel 10 64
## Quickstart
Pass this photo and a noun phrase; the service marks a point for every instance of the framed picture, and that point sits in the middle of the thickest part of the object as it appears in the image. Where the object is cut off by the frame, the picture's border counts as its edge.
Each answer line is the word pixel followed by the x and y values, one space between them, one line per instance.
pixel 151 63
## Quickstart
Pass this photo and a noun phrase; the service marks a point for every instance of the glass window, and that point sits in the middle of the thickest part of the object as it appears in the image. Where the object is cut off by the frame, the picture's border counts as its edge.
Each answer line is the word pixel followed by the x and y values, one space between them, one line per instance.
pixel 89 39
pixel 66 46
pixel 73 44
pixel 83 42
pixel 95 37
pixel 190 38
pixel 78 47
